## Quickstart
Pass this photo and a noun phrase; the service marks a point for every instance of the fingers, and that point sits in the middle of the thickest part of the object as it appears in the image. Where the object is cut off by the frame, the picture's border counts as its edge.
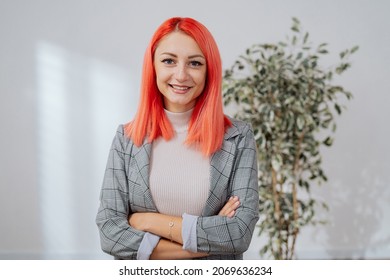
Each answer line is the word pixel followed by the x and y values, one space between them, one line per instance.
pixel 229 208
pixel 131 219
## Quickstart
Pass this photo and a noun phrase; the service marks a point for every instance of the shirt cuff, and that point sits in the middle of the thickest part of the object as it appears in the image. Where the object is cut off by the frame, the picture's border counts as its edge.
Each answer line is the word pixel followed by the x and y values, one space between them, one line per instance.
pixel 188 232
pixel 148 243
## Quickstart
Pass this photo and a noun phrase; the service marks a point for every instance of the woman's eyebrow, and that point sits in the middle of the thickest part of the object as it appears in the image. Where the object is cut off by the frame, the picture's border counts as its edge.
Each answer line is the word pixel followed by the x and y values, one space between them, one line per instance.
pixel 196 56
pixel 167 53
pixel 190 57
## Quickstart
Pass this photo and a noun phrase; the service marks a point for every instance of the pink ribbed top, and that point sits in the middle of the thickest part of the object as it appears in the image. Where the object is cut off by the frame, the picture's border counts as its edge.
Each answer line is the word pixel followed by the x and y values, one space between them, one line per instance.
pixel 179 175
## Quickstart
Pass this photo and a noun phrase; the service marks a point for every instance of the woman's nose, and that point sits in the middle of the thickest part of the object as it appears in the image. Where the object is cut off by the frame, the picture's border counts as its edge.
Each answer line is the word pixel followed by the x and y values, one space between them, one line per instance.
pixel 181 73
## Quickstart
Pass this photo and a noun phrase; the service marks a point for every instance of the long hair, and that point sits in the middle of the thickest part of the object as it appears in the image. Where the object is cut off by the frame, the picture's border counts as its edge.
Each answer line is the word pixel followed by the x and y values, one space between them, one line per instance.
pixel 208 122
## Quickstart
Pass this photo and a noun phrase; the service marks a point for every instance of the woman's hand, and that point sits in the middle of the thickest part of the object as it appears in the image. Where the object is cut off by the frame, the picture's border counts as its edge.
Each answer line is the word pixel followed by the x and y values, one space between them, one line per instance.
pixel 229 209
pixel 167 250
pixel 139 220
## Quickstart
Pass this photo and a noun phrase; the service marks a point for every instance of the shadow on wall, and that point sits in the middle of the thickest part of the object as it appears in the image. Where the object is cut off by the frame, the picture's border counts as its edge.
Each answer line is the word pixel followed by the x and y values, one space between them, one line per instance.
pixel 357 224
pixel 80 102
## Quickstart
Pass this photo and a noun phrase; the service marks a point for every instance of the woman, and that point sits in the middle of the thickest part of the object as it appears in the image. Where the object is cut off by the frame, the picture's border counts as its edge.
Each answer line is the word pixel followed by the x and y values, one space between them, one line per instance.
pixel 181 178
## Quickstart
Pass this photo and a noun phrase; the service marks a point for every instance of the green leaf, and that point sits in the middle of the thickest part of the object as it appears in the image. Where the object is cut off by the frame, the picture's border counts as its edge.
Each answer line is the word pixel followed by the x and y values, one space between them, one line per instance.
pixel 354 49
pixel 283 44
pixel 338 108
pixel 328 141
pixel 300 122
pixel 295 28
pixel 294 40
pixel 322 45
pixel 296 20
pixel 305 38
pixel 277 162
pixel 342 67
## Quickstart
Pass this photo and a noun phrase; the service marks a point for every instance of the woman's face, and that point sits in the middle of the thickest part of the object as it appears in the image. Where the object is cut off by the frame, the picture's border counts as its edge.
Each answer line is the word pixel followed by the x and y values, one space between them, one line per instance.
pixel 180 71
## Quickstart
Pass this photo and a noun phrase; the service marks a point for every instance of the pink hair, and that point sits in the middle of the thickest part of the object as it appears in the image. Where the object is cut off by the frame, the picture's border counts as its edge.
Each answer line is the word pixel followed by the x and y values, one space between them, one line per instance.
pixel 208 122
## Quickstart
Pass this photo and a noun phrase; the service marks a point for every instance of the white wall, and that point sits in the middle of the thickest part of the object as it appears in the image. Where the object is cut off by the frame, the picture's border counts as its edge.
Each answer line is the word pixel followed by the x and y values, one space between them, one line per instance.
pixel 69 74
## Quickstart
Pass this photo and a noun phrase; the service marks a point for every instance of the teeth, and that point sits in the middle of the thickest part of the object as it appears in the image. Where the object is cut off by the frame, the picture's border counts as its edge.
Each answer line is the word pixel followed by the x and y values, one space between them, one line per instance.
pixel 180 88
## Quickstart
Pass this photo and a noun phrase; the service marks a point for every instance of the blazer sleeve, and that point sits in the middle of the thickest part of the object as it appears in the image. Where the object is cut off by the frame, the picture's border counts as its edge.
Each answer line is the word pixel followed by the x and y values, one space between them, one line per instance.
pixel 117 238
pixel 219 235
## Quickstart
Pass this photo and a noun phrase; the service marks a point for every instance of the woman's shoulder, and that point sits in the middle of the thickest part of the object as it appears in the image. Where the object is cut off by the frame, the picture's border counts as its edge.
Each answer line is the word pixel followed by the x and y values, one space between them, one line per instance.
pixel 238 127
pixel 126 143
pixel 120 132
pixel 122 137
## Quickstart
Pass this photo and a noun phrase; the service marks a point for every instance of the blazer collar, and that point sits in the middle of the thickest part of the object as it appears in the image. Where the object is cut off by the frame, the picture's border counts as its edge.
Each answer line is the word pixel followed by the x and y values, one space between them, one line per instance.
pixel 231 132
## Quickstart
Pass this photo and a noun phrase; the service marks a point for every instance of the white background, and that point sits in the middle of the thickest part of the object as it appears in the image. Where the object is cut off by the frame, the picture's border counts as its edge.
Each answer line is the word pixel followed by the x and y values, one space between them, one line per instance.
pixel 70 72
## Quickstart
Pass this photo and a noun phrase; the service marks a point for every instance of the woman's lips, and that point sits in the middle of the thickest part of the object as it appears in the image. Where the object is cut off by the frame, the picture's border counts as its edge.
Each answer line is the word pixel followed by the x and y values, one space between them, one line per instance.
pixel 180 89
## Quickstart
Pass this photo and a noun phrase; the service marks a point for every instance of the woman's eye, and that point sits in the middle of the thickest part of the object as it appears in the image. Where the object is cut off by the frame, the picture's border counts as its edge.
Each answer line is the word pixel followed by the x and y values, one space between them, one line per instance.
pixel 196 63
pixel 168 61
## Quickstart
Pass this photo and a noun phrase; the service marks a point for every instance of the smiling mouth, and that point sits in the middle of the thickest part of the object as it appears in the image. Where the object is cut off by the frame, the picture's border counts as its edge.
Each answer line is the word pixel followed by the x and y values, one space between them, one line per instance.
pixel 181 88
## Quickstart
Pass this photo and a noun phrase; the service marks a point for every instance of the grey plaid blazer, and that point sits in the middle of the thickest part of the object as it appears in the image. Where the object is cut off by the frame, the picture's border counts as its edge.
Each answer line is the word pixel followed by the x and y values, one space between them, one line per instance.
pixel 125 190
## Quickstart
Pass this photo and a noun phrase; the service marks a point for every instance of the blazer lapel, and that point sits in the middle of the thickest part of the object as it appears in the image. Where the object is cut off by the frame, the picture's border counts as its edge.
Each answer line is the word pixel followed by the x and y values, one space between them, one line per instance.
pixel 221 164
pixel 141 198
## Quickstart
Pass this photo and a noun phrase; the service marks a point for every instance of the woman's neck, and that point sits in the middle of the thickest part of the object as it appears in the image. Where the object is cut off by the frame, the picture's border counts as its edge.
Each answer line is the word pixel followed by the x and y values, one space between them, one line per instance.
pixel 180 120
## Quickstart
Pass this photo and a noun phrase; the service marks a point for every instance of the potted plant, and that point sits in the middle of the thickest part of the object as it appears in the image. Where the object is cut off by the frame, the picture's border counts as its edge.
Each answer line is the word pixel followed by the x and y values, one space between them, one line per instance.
pixel 291 102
